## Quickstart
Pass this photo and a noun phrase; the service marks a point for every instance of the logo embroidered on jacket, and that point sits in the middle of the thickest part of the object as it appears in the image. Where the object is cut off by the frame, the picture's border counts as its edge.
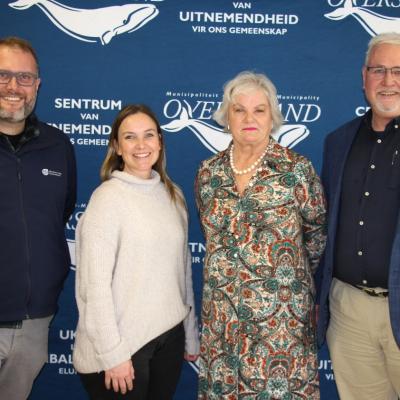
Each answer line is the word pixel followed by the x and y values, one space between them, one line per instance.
pixel 47 172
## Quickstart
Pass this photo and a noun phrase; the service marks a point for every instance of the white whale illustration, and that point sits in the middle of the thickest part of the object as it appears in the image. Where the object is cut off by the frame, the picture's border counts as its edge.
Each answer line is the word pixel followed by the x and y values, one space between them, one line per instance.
pixel 291 134
pixel 372 22
pixel 92 25
pixel 215 139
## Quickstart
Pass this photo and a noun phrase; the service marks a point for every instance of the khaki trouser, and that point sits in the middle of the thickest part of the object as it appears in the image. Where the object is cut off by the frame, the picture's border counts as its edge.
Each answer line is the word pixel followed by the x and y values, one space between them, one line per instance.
pixel 365 356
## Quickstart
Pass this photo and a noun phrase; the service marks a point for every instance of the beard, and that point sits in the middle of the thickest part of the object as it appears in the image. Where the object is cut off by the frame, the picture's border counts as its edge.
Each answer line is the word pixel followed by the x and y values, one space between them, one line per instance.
pixel 389 104
pixel 390 109
pixel 18 115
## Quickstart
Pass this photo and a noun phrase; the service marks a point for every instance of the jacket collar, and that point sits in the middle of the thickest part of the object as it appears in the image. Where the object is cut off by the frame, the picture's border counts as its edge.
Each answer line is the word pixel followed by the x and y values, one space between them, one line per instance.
pixel 30 131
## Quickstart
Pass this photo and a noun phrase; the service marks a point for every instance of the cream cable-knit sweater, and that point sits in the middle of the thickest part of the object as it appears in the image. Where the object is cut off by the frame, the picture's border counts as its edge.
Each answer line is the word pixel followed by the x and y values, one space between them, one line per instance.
pixel 133 276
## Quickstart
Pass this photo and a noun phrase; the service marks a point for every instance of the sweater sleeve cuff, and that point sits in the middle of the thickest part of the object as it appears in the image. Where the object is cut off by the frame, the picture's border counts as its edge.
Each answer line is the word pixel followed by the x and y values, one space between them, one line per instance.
pixel 114 357
pixel 192 347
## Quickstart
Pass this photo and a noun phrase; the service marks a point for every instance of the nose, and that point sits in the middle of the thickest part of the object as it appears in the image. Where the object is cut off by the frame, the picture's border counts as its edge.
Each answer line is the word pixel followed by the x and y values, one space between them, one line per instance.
pixel 248 117
pixel 139 143
pixel 388 78
pixel 13 84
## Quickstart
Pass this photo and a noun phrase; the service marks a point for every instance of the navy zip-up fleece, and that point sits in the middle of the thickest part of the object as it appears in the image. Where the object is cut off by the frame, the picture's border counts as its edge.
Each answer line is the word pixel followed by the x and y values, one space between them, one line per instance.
pixel 37 196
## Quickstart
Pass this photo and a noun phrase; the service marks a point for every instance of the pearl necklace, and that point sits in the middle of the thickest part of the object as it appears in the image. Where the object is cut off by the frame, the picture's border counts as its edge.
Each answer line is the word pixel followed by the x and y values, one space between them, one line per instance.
pixel 249 169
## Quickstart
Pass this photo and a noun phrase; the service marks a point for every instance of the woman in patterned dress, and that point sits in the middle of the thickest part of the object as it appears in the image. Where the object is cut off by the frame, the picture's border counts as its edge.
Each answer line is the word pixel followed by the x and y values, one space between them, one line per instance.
pixel 262 211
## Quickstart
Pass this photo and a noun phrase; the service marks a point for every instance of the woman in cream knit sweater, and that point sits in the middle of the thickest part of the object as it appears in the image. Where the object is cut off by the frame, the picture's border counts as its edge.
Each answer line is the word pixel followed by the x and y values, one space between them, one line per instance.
pixel 134 283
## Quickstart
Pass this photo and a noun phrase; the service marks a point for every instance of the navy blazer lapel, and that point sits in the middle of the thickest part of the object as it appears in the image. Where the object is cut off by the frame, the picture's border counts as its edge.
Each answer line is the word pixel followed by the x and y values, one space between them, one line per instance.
pixel 342 141
pixel 394 284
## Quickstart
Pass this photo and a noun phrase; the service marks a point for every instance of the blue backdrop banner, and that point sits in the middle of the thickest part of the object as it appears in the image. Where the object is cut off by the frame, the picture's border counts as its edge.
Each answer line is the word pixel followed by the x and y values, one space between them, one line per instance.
pixel 175 56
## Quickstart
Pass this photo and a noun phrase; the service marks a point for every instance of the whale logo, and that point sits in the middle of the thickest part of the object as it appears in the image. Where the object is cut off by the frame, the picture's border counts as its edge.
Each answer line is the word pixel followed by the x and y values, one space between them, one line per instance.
pixel 93 25
pixel 215 139
pixel 71 248
pixel 372 22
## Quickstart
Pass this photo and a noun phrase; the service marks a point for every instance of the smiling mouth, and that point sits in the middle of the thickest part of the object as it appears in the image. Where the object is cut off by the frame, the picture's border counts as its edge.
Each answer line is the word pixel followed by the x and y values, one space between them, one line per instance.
pixel 388 93
pixel 12 99
pixel 142 155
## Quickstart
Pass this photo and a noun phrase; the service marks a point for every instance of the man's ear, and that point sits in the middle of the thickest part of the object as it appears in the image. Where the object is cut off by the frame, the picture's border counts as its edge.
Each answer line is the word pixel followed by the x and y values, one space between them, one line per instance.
pixel 364 73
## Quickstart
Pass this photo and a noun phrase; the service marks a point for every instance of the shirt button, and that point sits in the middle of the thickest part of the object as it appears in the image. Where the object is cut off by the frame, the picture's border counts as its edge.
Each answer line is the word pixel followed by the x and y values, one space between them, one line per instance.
pixel 372 166
pixel 379 141
pixel 361 223
pixel 251 184
pixel 396 126
pixel 364 282
pixel 235 255
pixel 236 236
pixel 360 253
pixel 367 194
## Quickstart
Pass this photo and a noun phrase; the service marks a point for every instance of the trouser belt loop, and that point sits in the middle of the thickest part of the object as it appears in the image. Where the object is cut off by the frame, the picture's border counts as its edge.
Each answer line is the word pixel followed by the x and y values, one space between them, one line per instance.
pixel 373 292
pixel 11 324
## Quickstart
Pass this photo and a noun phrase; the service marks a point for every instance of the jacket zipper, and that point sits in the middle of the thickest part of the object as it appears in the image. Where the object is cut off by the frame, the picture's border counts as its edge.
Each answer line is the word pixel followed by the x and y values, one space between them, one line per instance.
pixel 19 177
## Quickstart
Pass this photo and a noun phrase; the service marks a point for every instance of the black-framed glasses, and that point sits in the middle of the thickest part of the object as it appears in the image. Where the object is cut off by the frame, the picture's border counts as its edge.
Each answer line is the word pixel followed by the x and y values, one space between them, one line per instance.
pixel 380 72
pixel 23 78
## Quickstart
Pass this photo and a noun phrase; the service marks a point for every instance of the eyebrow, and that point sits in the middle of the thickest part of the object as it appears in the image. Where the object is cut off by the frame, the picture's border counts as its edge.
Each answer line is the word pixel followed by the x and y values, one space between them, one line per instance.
pixel 257 105
pixel 146 131
pixel 383 66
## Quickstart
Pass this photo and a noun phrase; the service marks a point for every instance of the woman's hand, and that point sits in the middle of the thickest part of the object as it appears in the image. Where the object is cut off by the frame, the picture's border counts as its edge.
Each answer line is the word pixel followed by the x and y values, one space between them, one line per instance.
pixel 120 377
pixel 190 357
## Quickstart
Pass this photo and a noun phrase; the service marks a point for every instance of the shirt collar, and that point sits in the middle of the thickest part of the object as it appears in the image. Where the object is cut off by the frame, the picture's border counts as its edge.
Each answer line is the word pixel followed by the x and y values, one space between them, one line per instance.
pixel 393 124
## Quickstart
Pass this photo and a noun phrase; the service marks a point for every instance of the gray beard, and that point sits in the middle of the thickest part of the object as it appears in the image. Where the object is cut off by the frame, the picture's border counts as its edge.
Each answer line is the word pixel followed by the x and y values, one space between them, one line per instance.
pixel 19 115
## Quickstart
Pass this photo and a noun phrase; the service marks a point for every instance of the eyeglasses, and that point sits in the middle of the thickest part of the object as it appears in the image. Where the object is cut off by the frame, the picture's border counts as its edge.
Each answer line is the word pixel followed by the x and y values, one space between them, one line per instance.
pixel 380 72
pixel 23 78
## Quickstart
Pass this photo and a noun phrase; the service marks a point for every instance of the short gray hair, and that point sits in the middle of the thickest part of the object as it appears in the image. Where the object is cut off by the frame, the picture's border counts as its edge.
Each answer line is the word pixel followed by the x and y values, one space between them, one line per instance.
pixel 243 82
pixel 21 44
pixel 383 38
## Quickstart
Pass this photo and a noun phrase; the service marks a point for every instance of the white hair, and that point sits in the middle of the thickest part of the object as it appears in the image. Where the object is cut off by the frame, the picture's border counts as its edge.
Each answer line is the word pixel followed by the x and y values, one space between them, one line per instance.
pixel 243 82
pixel 383 38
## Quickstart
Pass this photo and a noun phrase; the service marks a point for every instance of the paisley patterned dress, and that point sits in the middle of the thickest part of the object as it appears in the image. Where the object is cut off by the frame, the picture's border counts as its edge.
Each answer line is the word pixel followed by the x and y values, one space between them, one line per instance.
pixel 262 247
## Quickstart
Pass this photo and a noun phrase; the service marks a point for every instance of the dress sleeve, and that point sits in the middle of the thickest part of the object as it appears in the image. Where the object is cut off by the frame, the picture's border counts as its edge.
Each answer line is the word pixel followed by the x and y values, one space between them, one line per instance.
pixel 312 204
pixel 197 190
pixel 191 325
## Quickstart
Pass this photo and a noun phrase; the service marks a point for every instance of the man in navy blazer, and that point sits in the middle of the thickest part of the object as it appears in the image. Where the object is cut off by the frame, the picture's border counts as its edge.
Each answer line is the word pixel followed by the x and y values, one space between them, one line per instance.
pixel 359 293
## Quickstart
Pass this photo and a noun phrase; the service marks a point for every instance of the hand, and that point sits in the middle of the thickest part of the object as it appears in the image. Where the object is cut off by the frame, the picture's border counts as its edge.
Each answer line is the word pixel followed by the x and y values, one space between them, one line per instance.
pixel 120 377
pixel 190 357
